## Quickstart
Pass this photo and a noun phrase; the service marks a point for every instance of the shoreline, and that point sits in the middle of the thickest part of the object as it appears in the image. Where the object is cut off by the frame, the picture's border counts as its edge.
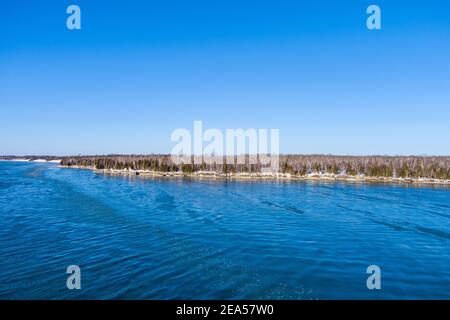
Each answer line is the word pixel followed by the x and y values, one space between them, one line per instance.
pixel 32 160
pixel 265 176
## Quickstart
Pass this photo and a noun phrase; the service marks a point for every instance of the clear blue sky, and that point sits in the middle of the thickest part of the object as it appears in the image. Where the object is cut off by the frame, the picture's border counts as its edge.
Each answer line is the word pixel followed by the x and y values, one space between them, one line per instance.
pixel 137 70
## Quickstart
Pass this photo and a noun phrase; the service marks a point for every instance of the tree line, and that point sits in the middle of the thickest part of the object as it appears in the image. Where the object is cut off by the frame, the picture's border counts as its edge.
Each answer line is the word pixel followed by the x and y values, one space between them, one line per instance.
pixel 437 167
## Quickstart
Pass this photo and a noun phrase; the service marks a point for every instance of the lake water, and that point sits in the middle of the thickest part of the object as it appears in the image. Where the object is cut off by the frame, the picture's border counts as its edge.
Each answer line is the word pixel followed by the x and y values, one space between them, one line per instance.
pixel 137 238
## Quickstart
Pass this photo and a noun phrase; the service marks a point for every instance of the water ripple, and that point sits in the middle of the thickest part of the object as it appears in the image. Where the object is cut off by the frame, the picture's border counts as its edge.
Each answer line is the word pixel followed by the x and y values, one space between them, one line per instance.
pixel 138 238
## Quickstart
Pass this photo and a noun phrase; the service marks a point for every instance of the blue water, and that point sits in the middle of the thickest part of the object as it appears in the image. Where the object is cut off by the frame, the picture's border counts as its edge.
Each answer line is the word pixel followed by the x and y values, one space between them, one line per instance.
pixel 137 238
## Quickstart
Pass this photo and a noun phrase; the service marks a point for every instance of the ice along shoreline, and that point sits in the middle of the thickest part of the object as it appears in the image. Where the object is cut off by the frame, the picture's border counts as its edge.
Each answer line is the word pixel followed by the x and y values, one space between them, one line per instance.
pixel 265 176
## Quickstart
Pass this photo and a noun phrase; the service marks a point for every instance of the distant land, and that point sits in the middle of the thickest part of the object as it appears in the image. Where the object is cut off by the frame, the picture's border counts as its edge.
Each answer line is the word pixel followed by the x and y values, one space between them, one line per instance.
pixel 397 169
pixel 30 158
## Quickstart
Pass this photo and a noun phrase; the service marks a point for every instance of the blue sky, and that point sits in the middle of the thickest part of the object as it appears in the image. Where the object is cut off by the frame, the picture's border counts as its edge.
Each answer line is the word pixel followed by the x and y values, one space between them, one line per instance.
pixel 137 70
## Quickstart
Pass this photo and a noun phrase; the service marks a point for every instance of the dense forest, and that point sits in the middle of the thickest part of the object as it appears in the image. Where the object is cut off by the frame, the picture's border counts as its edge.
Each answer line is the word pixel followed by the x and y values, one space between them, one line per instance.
pixel 437 167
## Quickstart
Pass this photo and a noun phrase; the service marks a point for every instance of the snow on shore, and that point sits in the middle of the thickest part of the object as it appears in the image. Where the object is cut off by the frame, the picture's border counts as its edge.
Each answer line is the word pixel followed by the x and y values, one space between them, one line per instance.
pixel 30 160
pixel 43 160
pixel 317 176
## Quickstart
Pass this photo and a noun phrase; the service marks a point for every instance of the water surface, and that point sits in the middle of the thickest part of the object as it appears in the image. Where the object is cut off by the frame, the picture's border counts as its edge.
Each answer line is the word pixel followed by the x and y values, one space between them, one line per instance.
pixel 137 238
